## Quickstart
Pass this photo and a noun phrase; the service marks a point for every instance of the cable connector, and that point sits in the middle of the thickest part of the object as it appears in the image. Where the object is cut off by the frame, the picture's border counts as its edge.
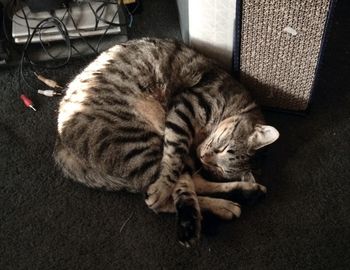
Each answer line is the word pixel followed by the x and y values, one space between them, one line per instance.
pixel 48 82
pixel 49 93
pixel 27 102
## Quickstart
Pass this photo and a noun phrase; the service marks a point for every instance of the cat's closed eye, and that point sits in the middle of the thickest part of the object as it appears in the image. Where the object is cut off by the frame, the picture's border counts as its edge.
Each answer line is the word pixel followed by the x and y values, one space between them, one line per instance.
pixel 221 149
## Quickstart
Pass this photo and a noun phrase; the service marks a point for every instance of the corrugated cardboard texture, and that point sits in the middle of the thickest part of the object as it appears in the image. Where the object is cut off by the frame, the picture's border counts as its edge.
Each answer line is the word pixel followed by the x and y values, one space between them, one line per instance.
pixel 280 47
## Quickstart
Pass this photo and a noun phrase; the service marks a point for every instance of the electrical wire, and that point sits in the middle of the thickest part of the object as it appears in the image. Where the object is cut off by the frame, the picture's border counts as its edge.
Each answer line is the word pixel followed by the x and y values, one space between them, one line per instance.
pixel 55 22
pixel 44 47
pixel 104 5
pixel 131 13
pixel 98 17
pixel 63 31
pixel 78 30
pixel 95 15
pixel 105 32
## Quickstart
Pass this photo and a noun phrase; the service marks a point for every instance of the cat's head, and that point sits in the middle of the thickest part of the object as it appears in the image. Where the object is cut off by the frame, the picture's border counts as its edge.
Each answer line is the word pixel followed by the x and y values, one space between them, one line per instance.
pixel 227 150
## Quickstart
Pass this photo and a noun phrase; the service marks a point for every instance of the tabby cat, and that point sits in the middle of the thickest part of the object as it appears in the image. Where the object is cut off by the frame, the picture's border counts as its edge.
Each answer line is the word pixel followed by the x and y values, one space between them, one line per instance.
pixel 146 115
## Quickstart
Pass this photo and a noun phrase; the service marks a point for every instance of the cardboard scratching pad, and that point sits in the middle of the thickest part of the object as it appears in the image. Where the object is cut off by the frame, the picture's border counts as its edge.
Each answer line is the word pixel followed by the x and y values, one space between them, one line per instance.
pixel 280 47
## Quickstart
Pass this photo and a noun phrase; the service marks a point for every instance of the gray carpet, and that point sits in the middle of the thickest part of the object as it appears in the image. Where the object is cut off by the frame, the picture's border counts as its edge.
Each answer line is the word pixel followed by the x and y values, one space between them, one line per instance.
pixel 49 222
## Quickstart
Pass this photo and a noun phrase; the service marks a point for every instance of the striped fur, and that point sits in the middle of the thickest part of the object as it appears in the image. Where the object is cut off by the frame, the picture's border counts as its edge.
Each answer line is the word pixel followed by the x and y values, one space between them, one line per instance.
pixel 131 119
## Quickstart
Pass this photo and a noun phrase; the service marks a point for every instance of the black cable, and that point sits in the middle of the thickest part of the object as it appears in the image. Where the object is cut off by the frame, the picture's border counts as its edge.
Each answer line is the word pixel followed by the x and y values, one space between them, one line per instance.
pixel 95 14
pixel 105 32
pixel 42 25
pixel 43 46
pixel 54 21
pixel 63 31
pixel 110 23
pixel 27 23
pixel 99 17
pixel 80 54
pixel 131 13
pixel 138 4
pixel 20 72
pixel 81 36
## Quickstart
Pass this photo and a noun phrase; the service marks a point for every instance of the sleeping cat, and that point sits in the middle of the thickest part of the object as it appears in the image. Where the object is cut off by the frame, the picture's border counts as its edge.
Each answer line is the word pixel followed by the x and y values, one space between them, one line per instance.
pixel 146 115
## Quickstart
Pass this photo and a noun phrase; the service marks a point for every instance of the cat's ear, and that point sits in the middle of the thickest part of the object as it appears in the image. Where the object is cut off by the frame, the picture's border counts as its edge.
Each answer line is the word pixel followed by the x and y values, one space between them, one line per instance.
pixel 248 177
pixel 263 135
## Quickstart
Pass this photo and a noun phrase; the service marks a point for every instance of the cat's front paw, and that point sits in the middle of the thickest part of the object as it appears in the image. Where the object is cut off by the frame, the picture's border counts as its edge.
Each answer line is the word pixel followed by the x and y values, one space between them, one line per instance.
pixel 188 222
pixel 250 193
pixel 226 210
pixel 158 195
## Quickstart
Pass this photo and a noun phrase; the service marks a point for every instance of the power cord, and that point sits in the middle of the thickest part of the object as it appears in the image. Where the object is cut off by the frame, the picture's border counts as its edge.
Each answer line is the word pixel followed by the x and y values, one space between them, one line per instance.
pixel 55 22
pixel 63 31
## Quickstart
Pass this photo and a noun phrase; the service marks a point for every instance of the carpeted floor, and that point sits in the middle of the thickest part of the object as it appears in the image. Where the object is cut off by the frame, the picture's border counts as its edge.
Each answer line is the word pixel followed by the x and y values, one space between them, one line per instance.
pixel 49 222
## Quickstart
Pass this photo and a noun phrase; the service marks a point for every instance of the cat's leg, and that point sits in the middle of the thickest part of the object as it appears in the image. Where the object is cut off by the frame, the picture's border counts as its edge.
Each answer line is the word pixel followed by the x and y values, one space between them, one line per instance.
pixel 221 208
pixel 250 192
pixel 178 136
pixel 224 209
pixel 188 207
pixel 188 214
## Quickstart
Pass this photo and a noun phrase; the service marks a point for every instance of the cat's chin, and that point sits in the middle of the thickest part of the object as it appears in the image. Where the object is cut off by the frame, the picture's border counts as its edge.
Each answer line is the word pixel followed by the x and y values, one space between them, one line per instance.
pixel 213 171
pixel 213 168
pixel 217 176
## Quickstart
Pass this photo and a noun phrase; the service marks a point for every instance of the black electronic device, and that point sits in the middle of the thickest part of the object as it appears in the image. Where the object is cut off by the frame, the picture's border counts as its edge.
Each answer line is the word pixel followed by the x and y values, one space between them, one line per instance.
pixel 46 5
pixel 3 41
pixel 84 27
